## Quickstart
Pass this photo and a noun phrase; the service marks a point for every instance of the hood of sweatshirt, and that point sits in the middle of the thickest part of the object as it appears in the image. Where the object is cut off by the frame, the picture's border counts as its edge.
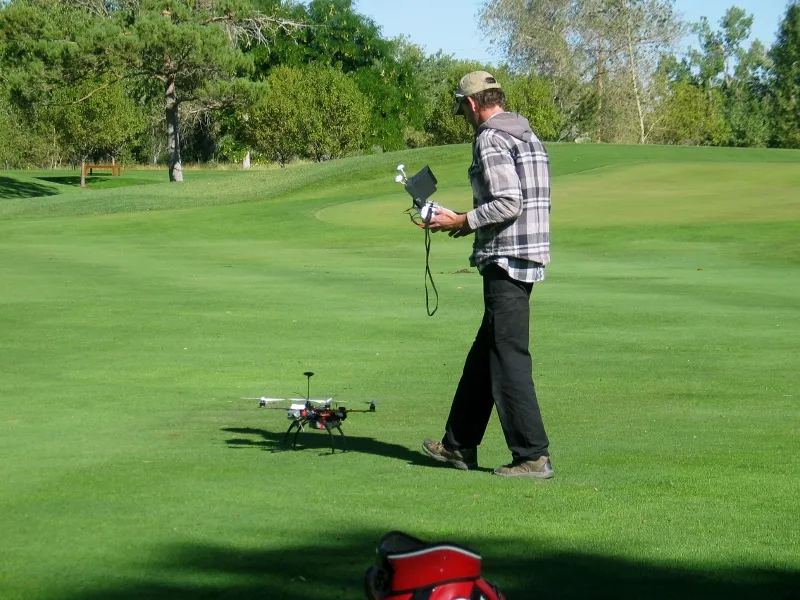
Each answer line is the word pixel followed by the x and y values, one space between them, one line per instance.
pixel 511 123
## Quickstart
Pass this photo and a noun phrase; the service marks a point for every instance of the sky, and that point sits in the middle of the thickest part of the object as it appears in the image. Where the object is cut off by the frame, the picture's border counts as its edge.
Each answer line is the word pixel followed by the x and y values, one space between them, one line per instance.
pixel 452 25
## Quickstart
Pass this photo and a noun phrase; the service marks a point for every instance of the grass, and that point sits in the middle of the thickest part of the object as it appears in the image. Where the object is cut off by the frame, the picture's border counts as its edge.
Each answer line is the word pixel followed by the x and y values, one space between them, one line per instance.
pixel 665 343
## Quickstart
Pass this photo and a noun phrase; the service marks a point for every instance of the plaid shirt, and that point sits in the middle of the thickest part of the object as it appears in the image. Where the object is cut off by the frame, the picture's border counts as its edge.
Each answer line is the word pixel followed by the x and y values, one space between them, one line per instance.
pixel 510 177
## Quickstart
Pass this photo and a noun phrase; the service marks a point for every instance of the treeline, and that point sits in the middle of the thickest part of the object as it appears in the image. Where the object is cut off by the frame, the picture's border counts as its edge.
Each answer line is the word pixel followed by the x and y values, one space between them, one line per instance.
pixel 170 81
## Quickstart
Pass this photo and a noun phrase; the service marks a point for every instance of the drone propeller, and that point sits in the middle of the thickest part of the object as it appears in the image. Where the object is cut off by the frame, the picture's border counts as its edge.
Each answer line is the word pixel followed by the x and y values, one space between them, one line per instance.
pixel 361 402
pixel 263 399
pixel 372 407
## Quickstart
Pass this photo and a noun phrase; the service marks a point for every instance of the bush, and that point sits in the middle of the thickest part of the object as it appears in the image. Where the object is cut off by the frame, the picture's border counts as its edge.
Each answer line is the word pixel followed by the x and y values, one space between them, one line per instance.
pixel 309 112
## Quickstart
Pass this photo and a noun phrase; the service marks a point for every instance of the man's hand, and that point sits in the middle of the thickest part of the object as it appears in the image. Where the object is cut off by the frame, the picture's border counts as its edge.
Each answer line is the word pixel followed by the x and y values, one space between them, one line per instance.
pixel 444 219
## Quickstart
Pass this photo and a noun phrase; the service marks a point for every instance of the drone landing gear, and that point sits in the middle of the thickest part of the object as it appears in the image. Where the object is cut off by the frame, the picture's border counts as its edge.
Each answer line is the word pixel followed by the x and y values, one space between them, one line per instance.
pixel 328 428
pixel 300 426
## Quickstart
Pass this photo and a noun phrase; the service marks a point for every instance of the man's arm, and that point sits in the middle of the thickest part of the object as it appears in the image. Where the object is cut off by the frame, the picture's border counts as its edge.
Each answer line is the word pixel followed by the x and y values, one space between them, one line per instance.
pixel 500 188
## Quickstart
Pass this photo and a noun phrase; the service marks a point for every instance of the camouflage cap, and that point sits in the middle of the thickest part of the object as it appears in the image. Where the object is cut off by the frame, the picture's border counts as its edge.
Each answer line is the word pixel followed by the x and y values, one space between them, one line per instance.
pixel 473 83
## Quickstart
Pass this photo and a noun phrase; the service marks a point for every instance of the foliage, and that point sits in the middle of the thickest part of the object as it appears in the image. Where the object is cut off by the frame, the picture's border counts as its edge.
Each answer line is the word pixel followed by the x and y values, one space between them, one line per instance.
pixel 441 124
pixel 597 54
pixel 691 116
pixel 732 77
pixel 600 70
pixel 275 123
pixel 26 143
pixel 710 60
pixel 102 124
pixel 396 103
pixel 528 95
pixel 436 77
pixel 339 36
pixel 533 98
pixel 337 116
pixel 182 45
pixel 785 56
pixel 45 44
pixel 308 112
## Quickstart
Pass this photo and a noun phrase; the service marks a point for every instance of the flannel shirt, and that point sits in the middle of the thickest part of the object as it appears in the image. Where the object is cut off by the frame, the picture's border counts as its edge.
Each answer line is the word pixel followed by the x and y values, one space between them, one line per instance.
pixel 510 180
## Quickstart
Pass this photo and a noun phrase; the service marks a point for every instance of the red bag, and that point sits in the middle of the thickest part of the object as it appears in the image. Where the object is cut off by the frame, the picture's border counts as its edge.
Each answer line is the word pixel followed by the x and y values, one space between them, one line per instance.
pixel 410 569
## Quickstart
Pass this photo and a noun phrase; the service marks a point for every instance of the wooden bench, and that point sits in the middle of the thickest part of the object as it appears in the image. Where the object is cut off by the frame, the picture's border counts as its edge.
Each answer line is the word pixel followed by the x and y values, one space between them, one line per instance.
pixel 115 169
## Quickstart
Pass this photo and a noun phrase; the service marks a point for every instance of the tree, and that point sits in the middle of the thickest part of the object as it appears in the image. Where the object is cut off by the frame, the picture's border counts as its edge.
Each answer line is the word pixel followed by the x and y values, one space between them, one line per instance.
pixel 339 36
pixel 275 123
pixel 441 124
pixel 53 85
pixel 691 116
pixel 311 112
pixel 582 45
pixel 175 48
pixel 785 80
pixel 722 63
pixel 532 97
pixel 736 25
pixel 25 143
pixel 187 46
pixel 547 38
pixel 648 28
pixel 748 100
pixel 102 123
pixel 396 103
pixel 540 36
pixel 338 115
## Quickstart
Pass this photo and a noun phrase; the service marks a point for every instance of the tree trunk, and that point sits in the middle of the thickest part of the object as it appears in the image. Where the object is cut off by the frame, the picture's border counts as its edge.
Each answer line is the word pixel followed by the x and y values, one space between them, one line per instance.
pixel 635 76
pixel 173 132
pixel 601 73
pixel 83 172
pixel 246 161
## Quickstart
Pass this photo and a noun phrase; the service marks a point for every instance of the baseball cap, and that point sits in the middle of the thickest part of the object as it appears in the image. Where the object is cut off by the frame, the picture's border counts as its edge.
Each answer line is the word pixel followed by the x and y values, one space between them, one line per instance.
pixel 472 83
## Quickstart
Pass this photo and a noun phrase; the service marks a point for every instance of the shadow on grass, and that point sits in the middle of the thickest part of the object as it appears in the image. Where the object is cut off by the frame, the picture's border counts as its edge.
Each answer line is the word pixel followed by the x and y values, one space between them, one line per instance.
pixel 14 188
pixel 74 180
pixel 333 568
pixel 315 440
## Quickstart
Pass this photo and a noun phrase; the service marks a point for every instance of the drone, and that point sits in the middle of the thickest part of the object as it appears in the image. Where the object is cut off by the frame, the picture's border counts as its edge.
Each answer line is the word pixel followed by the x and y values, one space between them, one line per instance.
pixel 315 413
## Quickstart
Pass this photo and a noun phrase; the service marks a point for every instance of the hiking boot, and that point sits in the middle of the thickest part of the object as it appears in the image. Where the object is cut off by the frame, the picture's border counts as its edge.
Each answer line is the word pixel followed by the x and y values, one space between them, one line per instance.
pixel 536 469
pixel 460 459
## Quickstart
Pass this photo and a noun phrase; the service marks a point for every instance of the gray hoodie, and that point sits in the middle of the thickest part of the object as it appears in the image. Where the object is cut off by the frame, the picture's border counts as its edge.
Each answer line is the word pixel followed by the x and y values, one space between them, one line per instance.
pixel 511 123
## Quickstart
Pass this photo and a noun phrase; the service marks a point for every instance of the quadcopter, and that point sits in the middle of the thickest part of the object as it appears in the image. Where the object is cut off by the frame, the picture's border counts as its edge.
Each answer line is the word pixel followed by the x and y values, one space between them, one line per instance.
pixel 314 413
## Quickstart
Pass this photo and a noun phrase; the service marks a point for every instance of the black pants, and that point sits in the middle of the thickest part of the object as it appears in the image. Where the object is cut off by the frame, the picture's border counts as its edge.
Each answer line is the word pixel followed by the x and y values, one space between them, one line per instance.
pixel 498 372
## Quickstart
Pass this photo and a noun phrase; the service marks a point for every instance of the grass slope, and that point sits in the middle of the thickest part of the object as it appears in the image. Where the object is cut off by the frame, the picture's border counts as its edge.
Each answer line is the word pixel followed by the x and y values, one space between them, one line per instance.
pixel 134 317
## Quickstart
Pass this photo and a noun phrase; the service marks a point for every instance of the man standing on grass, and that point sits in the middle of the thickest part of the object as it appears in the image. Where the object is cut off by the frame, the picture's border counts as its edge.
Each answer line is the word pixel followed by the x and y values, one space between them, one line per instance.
pixel 510 177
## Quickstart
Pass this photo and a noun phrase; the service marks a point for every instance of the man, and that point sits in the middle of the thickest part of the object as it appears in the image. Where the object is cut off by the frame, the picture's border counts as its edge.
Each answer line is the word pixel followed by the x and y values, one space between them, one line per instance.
pixel 510 177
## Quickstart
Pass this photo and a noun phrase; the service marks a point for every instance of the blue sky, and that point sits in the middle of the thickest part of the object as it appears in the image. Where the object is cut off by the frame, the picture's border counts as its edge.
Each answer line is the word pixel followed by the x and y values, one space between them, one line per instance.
pixel 451 25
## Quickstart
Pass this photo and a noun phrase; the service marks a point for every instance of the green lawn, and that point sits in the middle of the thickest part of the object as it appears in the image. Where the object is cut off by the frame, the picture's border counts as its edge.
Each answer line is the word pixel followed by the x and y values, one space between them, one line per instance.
pixel 136 313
